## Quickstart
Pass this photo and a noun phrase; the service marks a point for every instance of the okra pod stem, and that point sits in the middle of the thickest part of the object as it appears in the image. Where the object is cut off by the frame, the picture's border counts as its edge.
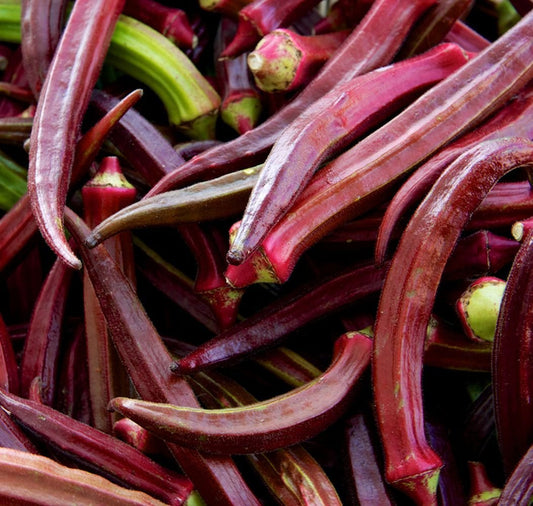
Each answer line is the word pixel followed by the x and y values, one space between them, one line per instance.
pixel 285 61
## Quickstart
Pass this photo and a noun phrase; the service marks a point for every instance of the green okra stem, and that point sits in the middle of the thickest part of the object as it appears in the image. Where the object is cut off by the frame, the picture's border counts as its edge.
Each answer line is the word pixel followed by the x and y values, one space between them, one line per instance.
pixel 281 421
pixel 406 303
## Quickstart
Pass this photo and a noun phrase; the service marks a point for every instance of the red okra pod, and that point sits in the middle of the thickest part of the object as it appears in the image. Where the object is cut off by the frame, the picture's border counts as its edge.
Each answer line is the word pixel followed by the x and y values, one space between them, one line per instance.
pixel 406 303
pixel 281 421
pixel 63 100
pixel 280 469
pixel 326 128
pixel 227 7
pixel 388 22
pixel 107 192
pixel 512 360
pixel 512 120
pixel 342 15
pixel 12 436
pixel 466 37
pixel 273 323
pixel 482 491
pixel 172 22
pixel 41 347
pixel 364 175
pixel 18 226
pixel 38 480
pixel 41 26
pixel 97 451
pixel 284 60
pixel 147 360
pixel 261 17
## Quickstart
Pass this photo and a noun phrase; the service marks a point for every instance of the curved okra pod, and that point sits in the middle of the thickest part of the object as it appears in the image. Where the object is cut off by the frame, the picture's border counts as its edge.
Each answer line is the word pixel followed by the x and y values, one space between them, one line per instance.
pixel 326 128
pixel 372 44
pixel 221 197
pixel 364 175
pixel 406 303
pixel 64 97
pixel 281 421
pixel 512 360
pixel 513 120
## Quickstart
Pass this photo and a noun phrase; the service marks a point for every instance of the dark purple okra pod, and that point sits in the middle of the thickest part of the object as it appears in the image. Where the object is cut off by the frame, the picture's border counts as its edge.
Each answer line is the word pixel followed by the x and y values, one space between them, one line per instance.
pixel 406 304
pixel 512 360
pixel 148 363
pixel 281 421
pixel 97 451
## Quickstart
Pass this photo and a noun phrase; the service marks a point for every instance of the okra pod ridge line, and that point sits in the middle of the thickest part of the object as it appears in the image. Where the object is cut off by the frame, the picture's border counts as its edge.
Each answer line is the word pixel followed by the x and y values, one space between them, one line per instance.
pixel 406 303
pixel 280 421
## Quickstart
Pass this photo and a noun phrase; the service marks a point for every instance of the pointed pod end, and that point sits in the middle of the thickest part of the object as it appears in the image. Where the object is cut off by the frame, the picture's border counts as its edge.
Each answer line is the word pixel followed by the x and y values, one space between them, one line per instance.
pixel 178 368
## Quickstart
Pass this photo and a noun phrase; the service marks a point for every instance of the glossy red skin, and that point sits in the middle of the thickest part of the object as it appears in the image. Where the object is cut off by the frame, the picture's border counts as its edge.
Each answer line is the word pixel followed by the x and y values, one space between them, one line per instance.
pixel 41 27
pixel 406 303
pixel 513 120
pixel 329 126
pixel 359 54
pixel 362 177
pixel 42 344
pixel 466 37
pixel 281 421
pixel 63 100
pixel 95 449
pixel 148 363
pixel 512 360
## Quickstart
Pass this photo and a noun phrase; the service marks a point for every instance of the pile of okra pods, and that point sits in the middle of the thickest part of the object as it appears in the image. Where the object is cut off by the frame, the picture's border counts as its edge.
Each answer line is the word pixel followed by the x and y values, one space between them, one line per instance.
pixel 256 252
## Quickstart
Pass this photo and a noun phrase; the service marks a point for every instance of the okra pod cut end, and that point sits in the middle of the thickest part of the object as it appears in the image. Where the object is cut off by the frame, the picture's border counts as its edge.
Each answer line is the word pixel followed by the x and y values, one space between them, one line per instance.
pixel 479 306
pixel 241 112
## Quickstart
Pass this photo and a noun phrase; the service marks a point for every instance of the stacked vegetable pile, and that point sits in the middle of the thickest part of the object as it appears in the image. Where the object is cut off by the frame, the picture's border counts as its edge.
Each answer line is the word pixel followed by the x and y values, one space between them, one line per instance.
pixel 259 251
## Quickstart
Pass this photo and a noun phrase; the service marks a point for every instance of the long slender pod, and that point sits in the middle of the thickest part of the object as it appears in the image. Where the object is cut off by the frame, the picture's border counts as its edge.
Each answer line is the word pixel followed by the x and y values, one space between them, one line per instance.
pixel 63 100
pixel 388 22
pixel 406 303
pixel 512 360
pixel 280 421
pixel 148 363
